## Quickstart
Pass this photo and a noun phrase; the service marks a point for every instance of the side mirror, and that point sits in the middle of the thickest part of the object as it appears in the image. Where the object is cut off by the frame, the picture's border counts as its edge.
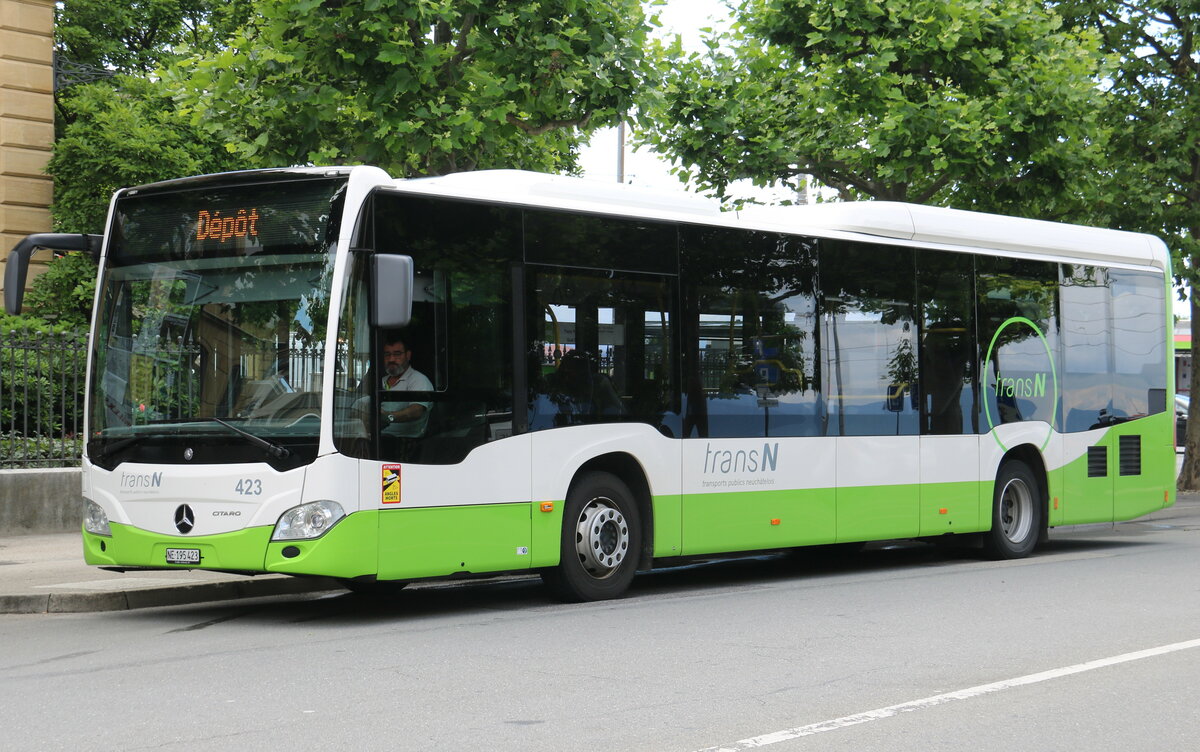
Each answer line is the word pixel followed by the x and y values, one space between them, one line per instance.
pixel 16 270
pixel 391 302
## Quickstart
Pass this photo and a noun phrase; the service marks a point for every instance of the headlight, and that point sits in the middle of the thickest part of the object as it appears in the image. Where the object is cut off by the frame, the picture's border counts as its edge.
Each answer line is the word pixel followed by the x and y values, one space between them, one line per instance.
pixel 310 520
pixel 94 518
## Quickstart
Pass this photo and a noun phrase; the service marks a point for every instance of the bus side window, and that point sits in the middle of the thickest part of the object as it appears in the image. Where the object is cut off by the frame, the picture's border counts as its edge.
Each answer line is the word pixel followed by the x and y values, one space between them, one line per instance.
pixel 600 350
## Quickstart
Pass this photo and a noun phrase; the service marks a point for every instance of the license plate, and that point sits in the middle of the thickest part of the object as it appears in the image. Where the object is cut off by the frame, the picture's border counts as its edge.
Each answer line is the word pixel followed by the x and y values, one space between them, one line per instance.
pixel 183 556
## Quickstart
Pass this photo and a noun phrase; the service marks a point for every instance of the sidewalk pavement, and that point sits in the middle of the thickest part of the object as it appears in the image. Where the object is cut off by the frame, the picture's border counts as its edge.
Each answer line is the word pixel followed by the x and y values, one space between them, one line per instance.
pixel 46 574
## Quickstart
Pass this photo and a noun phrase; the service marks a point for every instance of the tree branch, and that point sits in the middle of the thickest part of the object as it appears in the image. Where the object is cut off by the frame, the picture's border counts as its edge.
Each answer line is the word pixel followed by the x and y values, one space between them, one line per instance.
pixel 932 190
pixel 549 125
pixel 416 35
pixel 461 50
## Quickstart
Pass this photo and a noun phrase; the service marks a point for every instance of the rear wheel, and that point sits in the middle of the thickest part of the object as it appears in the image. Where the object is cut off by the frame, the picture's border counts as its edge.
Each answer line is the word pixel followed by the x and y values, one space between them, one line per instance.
pixel 601 540
pixel 1016 513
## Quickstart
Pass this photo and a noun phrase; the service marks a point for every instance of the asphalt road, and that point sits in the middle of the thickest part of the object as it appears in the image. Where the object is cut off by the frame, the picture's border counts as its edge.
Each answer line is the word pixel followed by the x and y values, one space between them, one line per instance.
pixel 1094 644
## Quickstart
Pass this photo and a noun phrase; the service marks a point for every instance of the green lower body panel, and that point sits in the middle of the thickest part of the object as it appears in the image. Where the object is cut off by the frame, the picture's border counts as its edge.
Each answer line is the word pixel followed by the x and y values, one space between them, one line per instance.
pixel 438 541
pixel 876 512
pixel 1154 486
pixel 1131 473
pixel 748 520
pixel 547 535
pixel 668 525
pixel 241 551
pixel 955 507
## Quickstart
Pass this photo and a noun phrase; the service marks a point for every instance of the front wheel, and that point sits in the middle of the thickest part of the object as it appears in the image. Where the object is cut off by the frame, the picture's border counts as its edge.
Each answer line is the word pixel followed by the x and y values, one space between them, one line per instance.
pixel 1016 513
pixel 601 540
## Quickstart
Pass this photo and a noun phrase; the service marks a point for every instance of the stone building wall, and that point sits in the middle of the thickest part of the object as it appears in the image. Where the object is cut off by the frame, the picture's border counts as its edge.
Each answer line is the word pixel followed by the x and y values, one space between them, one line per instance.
pixel 26 121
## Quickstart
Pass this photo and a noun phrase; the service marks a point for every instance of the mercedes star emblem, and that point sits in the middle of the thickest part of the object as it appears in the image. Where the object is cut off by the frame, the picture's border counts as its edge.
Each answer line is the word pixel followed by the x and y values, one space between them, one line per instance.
pixel 185 519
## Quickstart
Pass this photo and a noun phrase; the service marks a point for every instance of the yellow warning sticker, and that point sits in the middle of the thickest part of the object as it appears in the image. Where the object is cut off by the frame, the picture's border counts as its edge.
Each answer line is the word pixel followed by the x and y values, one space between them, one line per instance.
pixel 391 484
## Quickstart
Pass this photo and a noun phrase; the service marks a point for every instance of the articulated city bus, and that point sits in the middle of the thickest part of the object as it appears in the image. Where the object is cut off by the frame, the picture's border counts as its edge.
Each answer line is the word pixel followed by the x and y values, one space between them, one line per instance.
pixel 331 372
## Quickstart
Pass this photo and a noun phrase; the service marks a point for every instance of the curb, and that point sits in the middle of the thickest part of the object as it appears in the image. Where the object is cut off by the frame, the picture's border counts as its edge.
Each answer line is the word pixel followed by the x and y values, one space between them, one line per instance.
pixel 124 600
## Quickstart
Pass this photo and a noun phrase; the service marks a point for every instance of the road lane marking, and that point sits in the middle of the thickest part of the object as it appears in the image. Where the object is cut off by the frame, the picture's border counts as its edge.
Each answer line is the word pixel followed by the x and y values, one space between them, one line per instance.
pixel 775 737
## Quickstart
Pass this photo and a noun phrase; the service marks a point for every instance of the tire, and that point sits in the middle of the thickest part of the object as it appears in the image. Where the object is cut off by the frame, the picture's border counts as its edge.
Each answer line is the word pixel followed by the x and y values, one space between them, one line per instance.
pixel 601 540
pixel 1016 513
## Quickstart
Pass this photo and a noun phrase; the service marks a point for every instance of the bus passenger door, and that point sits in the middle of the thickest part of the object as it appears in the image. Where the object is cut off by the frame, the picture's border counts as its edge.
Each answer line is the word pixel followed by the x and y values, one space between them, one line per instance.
pixel 870 379
pixel 428 407
pixel 759 470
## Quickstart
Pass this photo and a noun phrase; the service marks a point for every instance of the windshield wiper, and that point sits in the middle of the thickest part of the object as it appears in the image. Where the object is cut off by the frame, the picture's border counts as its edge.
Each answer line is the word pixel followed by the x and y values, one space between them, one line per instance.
pixel 275 450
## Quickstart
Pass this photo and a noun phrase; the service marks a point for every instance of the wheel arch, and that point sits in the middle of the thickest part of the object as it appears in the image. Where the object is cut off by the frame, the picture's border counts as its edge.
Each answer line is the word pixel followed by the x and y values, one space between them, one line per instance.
pixel 625 467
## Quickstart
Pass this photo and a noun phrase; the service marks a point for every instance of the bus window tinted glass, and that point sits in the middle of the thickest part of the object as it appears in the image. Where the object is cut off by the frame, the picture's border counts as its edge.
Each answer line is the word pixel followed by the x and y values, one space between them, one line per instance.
pixel 1018 334
pixel 1139 344
pixel 1086 293
pixel 583 240
pixel 948 389
pixel 600 350
pixel 868 335
pixel 752 341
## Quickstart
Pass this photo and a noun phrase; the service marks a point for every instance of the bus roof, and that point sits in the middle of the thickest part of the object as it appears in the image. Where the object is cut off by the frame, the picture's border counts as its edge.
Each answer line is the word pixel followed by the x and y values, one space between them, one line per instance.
pixel 965 229
pixel 915 223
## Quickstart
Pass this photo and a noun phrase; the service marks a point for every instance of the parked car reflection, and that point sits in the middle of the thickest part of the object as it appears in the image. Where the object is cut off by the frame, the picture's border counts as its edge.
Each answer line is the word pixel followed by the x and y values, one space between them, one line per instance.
pixel 1181 411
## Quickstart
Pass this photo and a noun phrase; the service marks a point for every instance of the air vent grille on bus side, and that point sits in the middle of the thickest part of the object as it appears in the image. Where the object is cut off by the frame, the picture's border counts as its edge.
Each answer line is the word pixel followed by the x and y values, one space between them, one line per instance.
pixel 1097 461
pixel 1131 455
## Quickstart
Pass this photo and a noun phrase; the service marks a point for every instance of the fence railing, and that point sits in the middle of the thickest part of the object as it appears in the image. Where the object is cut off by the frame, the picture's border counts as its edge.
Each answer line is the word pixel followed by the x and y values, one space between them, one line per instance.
pixel 41 398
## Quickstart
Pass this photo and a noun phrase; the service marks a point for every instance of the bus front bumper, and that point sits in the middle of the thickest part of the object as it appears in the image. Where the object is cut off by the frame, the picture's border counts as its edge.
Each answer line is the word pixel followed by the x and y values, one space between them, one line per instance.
pixel 348 549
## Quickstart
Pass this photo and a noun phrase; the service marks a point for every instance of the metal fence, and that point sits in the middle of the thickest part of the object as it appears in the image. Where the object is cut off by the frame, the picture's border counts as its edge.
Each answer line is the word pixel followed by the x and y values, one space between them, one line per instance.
pixel 41 398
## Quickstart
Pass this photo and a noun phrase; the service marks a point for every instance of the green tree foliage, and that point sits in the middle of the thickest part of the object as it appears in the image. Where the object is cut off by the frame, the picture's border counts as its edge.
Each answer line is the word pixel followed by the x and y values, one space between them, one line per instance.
pixel 419 88
pixel 972 103
pixel 1152 170
pixel 63 293
pixel 139 36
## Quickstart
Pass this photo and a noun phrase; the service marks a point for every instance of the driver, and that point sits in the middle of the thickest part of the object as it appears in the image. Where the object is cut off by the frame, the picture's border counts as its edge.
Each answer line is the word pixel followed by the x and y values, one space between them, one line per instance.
pixel 400 417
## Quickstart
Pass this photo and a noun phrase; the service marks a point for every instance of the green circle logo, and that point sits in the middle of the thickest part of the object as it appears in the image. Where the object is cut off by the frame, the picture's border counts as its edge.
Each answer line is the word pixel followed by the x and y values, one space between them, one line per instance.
pixel 1029 385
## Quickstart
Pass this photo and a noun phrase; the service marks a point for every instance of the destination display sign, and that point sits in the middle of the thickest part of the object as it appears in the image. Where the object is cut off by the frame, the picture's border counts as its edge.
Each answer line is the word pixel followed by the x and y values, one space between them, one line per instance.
pixel 237 220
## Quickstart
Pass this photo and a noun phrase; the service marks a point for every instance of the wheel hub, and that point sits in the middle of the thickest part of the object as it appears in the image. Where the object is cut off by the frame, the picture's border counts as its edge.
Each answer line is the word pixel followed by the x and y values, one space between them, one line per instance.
pixel 601 537
pixel 1016 510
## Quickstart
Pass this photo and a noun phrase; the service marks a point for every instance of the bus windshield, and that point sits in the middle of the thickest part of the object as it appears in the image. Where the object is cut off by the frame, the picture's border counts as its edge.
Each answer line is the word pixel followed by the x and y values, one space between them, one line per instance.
pixel 211 325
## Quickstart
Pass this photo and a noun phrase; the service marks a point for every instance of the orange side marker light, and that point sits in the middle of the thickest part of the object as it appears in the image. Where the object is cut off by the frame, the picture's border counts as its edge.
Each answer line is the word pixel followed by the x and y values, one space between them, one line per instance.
pixel 943 510
pixel 1056 502
pixel 775 521
pixel 547 506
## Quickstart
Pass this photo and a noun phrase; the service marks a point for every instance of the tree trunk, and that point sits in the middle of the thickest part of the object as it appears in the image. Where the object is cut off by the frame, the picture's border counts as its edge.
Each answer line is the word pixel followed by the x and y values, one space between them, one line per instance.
pixel 1189 476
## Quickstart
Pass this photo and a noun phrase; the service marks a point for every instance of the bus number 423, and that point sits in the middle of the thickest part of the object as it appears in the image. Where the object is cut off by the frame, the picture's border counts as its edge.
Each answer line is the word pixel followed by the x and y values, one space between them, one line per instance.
pixel 249 487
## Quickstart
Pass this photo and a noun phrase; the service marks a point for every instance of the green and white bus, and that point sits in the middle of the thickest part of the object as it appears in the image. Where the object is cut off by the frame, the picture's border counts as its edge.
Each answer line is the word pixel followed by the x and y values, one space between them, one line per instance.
pixel 617 378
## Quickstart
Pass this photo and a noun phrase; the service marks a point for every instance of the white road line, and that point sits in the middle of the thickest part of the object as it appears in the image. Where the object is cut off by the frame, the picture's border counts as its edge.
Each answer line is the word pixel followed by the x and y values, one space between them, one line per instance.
pixel 963 694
